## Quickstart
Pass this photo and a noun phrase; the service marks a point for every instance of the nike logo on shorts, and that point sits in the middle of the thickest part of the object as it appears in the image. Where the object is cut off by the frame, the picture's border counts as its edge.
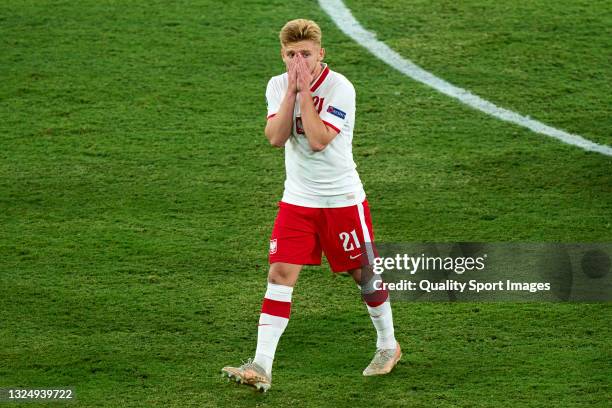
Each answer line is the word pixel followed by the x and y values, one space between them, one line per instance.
pixel 355 256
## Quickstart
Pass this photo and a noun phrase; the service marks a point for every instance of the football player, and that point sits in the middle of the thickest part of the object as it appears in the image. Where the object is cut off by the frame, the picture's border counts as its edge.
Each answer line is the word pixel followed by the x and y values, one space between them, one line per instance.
pixel 311 113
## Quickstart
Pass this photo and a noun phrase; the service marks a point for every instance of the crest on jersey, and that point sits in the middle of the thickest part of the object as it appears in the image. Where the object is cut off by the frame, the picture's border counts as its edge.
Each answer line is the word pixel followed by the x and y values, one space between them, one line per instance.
pixel 299 128
pixel 336 112
pixel 273 246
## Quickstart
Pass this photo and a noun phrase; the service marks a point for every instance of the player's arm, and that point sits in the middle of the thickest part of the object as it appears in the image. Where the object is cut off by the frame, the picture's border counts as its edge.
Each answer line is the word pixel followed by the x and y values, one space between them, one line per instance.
pixel 319 135
pixel 279 127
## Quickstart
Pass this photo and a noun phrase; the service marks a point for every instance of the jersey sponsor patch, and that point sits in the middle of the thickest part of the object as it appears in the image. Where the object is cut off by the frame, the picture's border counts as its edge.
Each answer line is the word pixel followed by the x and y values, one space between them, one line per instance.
pixel 336 112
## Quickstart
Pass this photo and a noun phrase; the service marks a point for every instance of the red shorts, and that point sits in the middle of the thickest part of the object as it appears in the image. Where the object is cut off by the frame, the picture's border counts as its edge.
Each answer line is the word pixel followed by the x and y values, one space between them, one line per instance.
pixel 344 234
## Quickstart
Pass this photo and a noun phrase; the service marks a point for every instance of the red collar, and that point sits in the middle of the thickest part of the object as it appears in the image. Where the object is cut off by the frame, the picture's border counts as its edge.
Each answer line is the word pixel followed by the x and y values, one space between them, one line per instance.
pixel 320 79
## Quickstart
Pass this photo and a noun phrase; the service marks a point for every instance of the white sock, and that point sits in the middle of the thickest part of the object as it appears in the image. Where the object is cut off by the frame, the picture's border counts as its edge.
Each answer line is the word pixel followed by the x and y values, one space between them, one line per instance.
pixel 382 317
pixel 379 309
pixel 273 320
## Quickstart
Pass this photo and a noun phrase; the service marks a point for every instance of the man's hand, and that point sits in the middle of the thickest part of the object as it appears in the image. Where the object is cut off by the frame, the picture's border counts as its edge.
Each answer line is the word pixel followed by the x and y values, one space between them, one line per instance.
pixel 293 79
pixel 278 129
pixel 304 77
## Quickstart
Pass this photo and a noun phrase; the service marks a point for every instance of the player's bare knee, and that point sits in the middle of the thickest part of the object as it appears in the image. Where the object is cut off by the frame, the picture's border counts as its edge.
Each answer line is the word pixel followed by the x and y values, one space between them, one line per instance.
pixel 282 275
pixel 277 277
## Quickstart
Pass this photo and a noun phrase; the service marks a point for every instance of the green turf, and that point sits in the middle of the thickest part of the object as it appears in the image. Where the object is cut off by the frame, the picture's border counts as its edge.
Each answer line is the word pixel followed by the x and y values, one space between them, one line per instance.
pixel 545 59
pixel 137 194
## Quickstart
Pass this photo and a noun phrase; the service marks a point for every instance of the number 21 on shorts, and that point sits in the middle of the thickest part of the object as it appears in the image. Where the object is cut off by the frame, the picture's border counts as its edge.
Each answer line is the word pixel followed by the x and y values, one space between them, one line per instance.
pixel 345 237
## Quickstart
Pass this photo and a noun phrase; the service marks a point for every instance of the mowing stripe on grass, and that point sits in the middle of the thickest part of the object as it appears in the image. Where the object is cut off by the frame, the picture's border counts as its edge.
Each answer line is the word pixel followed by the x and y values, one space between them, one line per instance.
pixel 344 19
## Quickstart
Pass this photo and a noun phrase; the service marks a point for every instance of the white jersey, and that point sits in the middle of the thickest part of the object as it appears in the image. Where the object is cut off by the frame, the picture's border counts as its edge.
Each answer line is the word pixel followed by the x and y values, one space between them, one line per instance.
pixel 325 179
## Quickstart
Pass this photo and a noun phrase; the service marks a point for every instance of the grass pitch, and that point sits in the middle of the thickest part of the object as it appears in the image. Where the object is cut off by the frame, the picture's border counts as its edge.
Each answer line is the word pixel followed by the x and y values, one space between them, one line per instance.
pixel 138 193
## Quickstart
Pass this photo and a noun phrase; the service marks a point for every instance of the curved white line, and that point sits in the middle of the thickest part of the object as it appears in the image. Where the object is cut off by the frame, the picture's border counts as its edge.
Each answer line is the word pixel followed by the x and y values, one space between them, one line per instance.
pixel 344 19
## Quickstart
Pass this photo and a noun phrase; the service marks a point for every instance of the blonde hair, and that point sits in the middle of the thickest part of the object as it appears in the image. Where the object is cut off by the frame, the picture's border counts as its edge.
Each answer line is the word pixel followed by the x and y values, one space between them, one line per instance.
pixel 300 30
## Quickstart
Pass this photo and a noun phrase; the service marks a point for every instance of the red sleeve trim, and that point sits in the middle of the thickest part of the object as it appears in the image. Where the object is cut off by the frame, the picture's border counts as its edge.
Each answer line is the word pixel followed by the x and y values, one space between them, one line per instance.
pixel 271 115
pixel 331 126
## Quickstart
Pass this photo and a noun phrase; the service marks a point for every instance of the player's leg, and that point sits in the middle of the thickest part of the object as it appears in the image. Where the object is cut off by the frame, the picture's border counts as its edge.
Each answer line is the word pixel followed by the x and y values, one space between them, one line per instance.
pixel 388 350
pixel 348 245
pixel 273 320
pixel 275 312
pixel 293 243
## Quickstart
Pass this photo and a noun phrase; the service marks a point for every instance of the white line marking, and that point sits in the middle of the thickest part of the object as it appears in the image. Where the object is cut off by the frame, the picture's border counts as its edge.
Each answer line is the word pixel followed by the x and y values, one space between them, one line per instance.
pixel 344 19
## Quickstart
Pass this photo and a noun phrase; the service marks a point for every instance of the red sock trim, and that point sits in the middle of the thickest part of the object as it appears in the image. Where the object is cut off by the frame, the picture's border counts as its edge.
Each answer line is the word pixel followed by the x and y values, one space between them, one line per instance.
pixel 276 308
pixel 376 298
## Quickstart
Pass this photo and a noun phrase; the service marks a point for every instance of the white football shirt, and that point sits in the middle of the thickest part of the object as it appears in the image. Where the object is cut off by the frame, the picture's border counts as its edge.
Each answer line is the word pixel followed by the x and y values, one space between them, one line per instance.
pixel 326 179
